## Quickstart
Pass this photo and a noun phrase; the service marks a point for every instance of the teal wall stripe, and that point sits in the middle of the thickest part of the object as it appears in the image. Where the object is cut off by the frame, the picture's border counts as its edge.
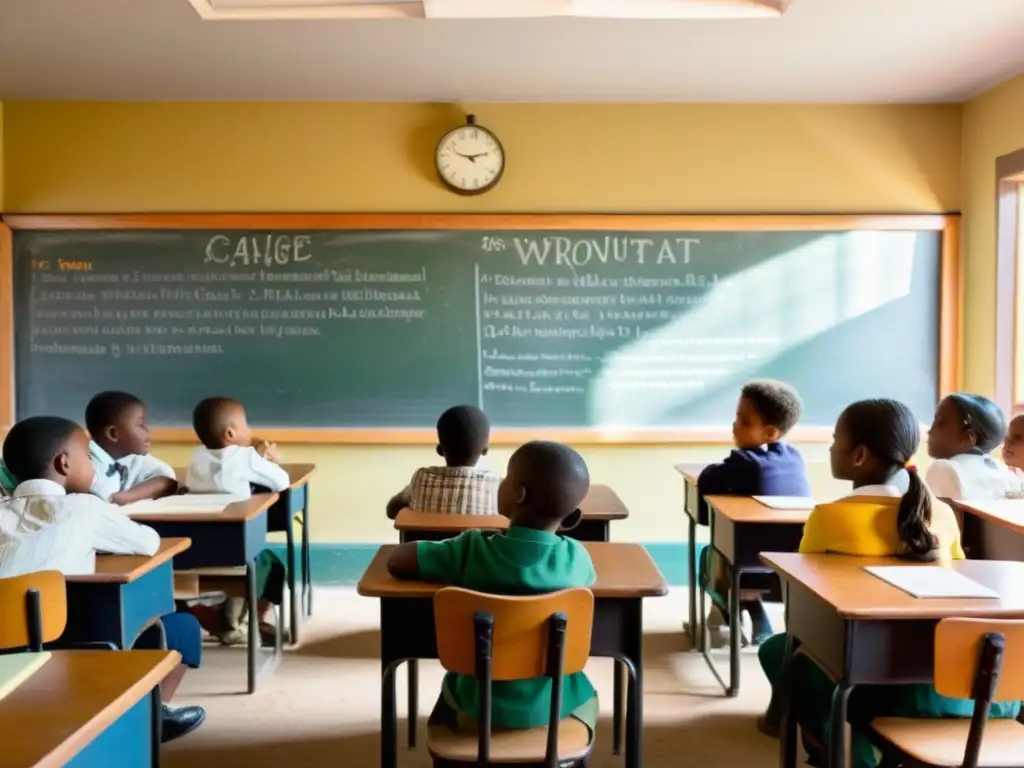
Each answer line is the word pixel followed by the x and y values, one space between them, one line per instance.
pixel 341 565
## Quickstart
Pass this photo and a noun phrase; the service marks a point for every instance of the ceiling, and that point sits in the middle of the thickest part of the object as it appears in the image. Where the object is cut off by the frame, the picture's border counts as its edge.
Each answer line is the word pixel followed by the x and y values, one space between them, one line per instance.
pixel 820 51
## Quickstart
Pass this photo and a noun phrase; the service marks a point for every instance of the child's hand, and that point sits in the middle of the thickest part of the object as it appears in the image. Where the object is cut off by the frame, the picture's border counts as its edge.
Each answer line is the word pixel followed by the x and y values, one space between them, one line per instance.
pixel 118 498
pixel 267 450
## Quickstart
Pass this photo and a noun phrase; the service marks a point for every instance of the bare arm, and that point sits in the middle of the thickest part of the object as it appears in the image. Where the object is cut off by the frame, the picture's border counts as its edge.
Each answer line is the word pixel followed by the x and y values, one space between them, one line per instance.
pixel 156 488
pixel 404 562
pixel 397 503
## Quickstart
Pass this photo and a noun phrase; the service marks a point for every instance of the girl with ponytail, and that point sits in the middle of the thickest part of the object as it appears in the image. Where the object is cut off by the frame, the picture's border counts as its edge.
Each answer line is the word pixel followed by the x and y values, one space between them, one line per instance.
pixel 889 513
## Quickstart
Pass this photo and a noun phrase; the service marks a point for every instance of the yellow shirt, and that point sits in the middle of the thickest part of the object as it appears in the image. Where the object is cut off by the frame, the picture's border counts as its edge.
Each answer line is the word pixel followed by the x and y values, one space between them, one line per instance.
pixel 866 525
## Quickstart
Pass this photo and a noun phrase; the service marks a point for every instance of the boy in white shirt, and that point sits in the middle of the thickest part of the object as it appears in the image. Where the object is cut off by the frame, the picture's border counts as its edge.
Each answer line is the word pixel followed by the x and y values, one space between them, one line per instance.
pixel 125 472
pixel 52 522
pixel 965 430
pixel 232 461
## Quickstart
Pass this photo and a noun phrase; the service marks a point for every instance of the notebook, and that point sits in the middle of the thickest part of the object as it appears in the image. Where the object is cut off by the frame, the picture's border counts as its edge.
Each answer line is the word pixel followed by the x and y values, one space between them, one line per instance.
pixel 16 668
pixel 188 503
pixel 930 581
pixel 785 502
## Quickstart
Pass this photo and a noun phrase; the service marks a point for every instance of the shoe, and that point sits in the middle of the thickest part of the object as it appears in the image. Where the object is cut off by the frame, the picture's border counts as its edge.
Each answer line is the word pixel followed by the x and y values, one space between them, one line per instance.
pixel 178 722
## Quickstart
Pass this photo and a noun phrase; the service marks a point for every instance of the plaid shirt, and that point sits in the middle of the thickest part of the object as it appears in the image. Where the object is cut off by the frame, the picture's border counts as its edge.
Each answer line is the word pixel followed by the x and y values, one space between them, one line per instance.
pixel 453 491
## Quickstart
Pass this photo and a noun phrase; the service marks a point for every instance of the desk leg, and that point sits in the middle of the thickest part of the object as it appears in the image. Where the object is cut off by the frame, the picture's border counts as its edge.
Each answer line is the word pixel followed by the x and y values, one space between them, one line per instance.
pixel 617 670
pixel 293 597
pixel 696 637
pixel 254 624
pixel 156 725
pixel 735 634
pixel 388 716
pixel 307 565
pixel 413 670
pixel 838 746
pixel 633 631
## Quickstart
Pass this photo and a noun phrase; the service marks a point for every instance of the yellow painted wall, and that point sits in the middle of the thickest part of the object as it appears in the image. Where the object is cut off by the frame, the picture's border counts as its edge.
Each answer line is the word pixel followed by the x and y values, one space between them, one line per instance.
pixel 78 157
pixel 993 126
pixel 1 155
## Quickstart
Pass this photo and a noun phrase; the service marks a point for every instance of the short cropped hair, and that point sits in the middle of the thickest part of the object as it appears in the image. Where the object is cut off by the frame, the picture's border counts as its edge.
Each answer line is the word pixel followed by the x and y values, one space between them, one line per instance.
pixel 776 403
pixel 32 444
pixel 106 408
pixel 210 418
pixel 463 433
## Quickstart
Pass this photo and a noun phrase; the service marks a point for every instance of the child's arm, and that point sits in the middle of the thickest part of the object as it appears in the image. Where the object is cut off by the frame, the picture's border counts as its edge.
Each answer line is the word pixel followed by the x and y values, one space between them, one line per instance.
pixel 441 562
pixel 116 533
pixel 156 488
pixel 266 473
pixel 404 562
pixel 943 481
pixel 398 502
pixel 721 478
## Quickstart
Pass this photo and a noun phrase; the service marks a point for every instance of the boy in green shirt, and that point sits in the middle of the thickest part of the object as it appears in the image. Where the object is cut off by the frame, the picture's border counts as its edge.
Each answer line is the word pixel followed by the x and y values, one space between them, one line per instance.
pixel 542 491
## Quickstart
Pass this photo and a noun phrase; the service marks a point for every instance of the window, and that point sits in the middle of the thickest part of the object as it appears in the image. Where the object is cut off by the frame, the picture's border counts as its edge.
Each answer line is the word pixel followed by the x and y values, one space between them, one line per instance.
pixel 1009 279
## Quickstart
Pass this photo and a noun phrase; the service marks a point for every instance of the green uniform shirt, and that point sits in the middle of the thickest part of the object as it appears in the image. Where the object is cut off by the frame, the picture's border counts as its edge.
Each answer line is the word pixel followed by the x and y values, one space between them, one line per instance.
pixel 521 561
pixel 7 481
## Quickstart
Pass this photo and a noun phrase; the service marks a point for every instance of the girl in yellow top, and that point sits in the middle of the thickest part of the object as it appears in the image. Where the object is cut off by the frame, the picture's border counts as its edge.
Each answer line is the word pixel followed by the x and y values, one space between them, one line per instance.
pixel 889 513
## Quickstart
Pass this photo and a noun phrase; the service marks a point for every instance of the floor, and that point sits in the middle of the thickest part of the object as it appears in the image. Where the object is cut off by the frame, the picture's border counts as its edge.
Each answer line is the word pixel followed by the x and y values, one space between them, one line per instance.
pixel 321 706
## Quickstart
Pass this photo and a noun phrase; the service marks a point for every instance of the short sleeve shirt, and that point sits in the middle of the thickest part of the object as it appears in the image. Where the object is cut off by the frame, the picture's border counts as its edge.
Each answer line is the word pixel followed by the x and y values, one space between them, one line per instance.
pixel 520 561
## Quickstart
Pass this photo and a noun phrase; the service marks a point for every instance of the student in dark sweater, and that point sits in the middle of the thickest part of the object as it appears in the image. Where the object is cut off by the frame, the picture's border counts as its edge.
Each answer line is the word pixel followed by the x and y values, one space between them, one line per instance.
pixel 760 465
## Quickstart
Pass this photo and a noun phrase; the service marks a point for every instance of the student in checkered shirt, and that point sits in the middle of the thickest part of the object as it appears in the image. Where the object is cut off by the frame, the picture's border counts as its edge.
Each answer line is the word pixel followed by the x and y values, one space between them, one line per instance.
pixel 459 487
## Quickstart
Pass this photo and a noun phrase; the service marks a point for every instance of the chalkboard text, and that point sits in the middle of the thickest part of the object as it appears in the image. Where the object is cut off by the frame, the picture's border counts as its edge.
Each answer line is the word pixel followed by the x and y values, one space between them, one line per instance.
pixel 567 252
pixel 257 250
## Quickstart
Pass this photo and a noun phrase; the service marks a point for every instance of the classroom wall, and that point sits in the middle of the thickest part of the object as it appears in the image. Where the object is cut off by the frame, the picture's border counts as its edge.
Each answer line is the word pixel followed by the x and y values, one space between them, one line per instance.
pixel 993 126
pixel 77 157
pixel 1 156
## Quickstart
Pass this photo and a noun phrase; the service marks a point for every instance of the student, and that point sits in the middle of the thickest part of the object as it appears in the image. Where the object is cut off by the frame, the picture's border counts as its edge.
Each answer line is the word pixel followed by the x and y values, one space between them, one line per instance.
pixel 52 522
pixel 542 490
pixel 889 513
pixel 966 429
pixel 7 481
pixel 125 472
pixel 461 487
pixel 762 464
pixel 1013 446
pixel 231 460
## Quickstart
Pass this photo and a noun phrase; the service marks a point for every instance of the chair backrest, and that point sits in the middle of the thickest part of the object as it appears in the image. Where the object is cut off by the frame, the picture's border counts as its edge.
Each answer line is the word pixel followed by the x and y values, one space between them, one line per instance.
pixel 33 609
pixel 521 630
pixel 958 648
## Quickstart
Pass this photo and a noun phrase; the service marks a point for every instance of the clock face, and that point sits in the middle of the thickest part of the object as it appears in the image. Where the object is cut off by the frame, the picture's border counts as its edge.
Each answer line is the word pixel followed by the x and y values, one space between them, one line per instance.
pixel 470 159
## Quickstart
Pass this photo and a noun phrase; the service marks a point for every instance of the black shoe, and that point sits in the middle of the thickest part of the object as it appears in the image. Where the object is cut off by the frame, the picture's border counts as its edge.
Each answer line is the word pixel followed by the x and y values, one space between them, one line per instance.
pixel 178 722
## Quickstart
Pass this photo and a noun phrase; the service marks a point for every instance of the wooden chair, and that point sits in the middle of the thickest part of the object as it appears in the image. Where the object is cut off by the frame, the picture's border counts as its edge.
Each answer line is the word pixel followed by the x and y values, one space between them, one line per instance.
pixel 997 675
pixel 33 610
pixel 498 638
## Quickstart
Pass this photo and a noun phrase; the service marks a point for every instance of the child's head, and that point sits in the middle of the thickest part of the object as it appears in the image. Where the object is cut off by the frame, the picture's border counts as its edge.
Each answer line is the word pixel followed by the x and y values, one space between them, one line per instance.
pixel 873 440
pixel 220 422
pixel 766 411
pixel 1013 446
pixel 462 435
pixel 965 423
pixel 49 448
pixel 117 422
pixel 543 486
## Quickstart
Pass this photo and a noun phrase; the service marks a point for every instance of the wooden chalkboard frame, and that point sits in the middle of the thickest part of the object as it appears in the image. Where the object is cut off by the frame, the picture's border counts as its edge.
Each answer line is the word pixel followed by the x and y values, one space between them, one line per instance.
pixel 949 299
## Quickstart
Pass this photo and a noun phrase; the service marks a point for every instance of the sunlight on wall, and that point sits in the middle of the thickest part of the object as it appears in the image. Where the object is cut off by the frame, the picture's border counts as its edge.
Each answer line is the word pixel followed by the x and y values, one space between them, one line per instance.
pixel 759 313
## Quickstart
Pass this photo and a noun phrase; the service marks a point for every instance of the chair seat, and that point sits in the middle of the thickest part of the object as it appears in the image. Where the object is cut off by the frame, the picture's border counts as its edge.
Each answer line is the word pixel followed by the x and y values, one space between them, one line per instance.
pixel 942 742
pixel 510 746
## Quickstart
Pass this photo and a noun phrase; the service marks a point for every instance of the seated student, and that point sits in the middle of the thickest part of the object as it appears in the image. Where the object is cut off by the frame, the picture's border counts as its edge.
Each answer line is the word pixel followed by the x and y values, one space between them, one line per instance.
pixel 761 465
pixel 543 489
pixel 231 460
pixel 52 522
pixel 1013 446
pixel 460 487
pixel 890 513
pixel 125 472
pixel 966 429
pixel 7 481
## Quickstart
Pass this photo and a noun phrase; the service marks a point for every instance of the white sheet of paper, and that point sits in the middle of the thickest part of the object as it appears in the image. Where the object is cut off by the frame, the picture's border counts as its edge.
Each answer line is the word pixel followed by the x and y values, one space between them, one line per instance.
pixel 785 502
pixel 930 581
pixel 16 668
pixel 191 503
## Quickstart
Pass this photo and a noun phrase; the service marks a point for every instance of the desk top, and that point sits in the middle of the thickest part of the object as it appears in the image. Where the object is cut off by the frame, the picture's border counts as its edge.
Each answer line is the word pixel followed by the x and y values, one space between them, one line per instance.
pixel 124 569
pixel 238 512
pixel 1005 512
pixel 690 471
pixel 299 474
pixel 744 509
pixel 843 583
pixel 603 503
pixel 623 570
pixel 73 698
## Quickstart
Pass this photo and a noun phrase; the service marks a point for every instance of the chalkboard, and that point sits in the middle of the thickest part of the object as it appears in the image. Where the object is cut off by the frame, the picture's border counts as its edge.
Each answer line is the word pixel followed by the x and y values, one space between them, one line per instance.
pixel 324 328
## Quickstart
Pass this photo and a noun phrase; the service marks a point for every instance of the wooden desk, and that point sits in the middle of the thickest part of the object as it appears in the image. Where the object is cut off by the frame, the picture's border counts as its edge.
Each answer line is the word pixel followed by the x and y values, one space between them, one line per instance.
pixel 993 530
pixel 87 708
pixel 625 575
pixel 124 598
pixel 692 508
pixel 741 529
pixel 861 630
pixel 231 539
pixel 600 507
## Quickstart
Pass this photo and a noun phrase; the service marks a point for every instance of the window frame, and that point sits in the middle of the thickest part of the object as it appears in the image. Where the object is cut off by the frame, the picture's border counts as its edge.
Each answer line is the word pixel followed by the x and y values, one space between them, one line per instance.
pixel 1009 247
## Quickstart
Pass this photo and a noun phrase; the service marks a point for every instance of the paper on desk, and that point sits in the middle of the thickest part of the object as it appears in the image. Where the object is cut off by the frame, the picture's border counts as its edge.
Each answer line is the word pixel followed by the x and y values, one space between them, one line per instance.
pixel 16 668
pixel 191 503
pixel 929 581
pixel 785 502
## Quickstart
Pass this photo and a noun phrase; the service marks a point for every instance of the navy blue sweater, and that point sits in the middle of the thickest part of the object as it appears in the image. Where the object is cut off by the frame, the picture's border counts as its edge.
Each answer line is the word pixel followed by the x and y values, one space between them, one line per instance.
pixel 775 470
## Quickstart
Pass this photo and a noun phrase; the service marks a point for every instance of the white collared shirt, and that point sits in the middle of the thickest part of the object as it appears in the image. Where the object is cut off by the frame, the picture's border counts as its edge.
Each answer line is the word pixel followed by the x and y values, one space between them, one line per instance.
pixel 233 470
pixel 116 475
pixel 973 477
pixel 44 528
